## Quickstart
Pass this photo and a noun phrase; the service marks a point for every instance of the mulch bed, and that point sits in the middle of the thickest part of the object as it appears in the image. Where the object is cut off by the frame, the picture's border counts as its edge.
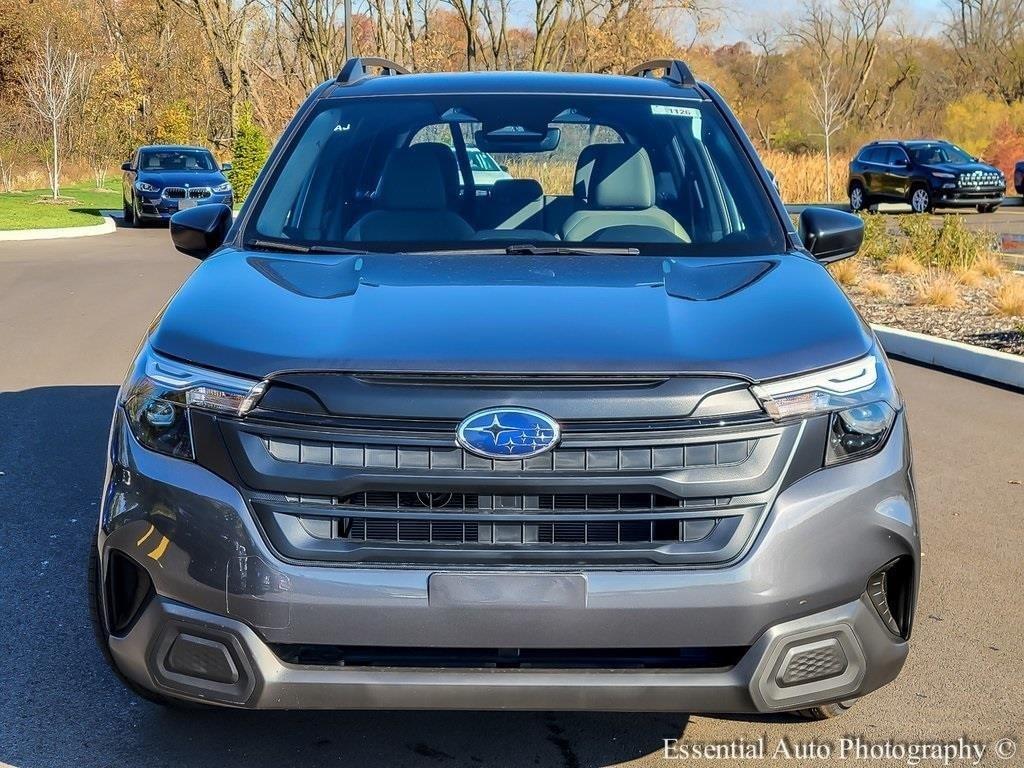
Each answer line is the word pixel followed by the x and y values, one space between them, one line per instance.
pixel 972 322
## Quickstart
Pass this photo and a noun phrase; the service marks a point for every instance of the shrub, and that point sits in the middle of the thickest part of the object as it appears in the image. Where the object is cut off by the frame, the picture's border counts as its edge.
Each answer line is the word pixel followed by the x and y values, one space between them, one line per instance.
pixel 990 265
pixel 956 247
pixel 938 289
pixel 249 153
pixel 920 235
pixel 902 263
pixel 878 243
pixel 877 288
pixel 845 272
pixel 969 277
pixel 1009 297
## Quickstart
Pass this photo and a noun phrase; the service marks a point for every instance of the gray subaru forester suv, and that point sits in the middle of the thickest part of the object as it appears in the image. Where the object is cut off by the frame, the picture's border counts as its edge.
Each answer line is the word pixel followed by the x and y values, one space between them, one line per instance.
pixel 603 435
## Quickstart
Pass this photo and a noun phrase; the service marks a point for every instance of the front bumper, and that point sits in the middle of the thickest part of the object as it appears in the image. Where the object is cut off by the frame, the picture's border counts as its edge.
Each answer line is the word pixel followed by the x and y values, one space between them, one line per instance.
pixel 257 678
pixel 158 207
pixel 802 583
pixel 968 198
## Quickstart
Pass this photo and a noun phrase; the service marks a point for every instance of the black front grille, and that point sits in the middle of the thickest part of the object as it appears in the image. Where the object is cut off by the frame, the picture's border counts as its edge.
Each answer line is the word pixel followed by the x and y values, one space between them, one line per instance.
pixel 411 457
pixel 509 658
pixel 179 193
pixel 540 502
pixel 514 532
pixel 398 492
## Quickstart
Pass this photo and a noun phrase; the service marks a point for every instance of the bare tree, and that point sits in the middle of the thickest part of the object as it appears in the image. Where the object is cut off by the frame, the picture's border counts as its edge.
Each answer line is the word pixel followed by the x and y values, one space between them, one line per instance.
pixel 986 35
pixel 319 30
pixel 50 82
pixel 468 12
pixel 224 24
pixel 842 43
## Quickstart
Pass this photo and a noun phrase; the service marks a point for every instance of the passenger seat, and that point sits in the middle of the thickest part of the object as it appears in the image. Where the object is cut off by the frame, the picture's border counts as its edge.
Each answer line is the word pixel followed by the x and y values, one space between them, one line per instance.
pixel 621 194
pixel 558 208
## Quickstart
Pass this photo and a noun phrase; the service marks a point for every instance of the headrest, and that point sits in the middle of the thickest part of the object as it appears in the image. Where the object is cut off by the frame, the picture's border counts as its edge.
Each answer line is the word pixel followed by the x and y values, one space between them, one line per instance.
pixel 412 180
pixel 584 170
pixel 449 166
pixel 516 192
pixel 622 178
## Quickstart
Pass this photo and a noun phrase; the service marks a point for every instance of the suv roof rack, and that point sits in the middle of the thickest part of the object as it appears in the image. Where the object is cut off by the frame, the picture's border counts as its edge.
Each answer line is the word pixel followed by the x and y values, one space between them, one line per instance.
pixel 675 71
pixel 357 68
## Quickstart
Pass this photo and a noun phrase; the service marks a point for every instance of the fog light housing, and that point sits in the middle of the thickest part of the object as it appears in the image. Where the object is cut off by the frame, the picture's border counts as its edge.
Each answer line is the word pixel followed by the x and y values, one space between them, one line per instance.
pixel 891 591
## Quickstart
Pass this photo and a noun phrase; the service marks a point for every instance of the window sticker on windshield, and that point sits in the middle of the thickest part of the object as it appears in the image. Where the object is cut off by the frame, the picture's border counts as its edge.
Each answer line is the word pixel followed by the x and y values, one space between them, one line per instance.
pixel 665 109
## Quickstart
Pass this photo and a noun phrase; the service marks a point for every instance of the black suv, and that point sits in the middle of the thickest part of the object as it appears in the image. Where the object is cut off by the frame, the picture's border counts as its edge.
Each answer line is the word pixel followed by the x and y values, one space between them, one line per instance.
pixel 924 174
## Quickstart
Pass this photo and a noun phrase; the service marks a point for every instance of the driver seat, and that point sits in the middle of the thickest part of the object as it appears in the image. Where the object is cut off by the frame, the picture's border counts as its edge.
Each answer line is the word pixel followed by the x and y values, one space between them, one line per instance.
pixel 412 203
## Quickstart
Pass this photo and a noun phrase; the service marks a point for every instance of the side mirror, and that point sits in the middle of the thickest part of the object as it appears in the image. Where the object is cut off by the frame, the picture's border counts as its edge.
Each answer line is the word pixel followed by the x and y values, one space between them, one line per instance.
pixel 830 235
pixel 199 231
pixel 900 162
pixel 225 166
pixel 126 167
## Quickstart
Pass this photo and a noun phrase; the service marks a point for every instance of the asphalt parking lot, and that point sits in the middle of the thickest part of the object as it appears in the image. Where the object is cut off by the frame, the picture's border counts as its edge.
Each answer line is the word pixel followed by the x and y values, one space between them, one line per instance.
pixel 71 315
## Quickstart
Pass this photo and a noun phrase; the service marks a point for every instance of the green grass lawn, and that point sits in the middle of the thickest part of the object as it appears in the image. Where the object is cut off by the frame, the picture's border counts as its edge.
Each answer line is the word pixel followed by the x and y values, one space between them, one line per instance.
pixel 22 210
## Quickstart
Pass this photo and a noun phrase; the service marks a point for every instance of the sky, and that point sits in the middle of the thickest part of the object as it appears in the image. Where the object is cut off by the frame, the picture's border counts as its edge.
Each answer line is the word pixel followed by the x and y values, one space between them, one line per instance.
pixel 740 17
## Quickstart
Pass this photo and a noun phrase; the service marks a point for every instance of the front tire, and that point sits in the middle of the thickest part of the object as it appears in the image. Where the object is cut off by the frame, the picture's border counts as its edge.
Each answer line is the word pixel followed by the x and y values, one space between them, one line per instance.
pixel 988 208
pixel 858 197
pixel 921 199
pixel 129 214
pixel 825 711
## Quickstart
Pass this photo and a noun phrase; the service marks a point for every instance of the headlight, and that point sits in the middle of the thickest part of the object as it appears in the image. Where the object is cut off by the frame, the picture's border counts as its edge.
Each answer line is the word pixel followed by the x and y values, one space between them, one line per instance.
pixel 943 175
pixel 222 188
pixel 159 393
pixel 860 396
pixel 143 186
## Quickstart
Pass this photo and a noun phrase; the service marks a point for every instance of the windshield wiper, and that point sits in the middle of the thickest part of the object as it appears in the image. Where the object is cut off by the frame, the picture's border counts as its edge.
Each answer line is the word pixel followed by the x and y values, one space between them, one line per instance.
pixel 278 245
pixel 529 249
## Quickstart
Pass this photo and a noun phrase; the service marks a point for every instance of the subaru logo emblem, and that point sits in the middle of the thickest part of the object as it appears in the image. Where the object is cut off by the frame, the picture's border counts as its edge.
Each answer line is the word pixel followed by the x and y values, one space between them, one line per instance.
pixel 508 433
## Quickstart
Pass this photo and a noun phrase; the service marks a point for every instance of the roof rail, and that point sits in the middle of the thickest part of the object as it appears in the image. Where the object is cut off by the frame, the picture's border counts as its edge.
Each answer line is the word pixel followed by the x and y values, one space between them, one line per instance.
pixel 357 68
pixel 675 70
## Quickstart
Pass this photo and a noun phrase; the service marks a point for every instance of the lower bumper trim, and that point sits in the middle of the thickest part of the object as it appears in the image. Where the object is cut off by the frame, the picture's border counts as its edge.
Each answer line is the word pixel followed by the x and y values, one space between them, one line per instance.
pixel 264 681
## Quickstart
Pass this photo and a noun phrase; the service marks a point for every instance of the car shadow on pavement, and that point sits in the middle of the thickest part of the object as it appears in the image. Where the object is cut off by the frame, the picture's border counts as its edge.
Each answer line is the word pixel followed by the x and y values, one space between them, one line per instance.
pixel 60 705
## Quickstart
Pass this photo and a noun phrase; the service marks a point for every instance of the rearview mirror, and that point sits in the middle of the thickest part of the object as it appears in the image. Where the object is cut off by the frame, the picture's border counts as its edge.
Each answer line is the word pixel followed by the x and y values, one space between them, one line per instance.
pixel 199 231
pixel 830 235
pixel 515 138
pixel 126 166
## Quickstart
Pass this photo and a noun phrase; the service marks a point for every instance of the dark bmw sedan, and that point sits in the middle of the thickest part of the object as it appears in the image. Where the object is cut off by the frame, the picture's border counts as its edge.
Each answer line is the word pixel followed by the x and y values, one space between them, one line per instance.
pixel 159 181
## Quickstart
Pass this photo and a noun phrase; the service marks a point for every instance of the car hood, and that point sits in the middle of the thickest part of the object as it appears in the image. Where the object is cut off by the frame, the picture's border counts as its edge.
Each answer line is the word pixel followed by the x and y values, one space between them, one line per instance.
pixel 962 167
pixel 182 178
pixel 757 318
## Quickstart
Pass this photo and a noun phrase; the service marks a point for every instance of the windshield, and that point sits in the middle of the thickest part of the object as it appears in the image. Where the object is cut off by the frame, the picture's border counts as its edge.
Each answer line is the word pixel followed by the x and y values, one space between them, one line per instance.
pixel 481 161
pixel 176 160
pixel 939 153
pixel 402 174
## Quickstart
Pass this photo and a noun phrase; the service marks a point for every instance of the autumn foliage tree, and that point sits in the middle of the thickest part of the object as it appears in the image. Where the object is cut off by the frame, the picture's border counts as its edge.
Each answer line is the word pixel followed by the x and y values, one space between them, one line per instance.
pixel 249 153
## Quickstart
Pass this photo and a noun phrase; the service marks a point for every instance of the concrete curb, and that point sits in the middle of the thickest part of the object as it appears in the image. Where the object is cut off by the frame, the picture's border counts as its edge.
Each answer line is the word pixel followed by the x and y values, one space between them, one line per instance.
pixel 105 227
pixel 988 364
